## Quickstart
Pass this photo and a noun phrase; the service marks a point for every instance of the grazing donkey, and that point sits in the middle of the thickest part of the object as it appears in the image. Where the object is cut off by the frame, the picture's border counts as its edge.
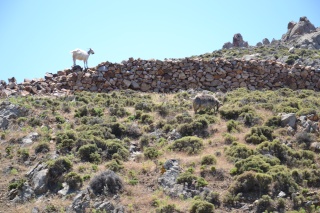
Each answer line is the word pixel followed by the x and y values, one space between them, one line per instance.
pixel 205 101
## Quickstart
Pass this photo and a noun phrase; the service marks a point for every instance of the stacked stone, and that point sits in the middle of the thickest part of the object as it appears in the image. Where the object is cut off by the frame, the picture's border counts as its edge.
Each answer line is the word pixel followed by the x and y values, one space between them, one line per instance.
pixel 173 75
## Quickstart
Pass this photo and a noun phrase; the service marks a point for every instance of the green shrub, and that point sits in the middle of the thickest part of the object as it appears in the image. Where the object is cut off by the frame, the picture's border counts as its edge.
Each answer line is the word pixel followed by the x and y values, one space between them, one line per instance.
pixel 146 119
pixel 282 180
pixel 118 111
pixel 196 127
pixel 233 112
pixel 117 129
pixel 201 182
pixel 186 177
pixel 274 122
pixel 249 182
pixel 143 106
pixel 211 197
pixel 259 134
pixel 151 153
pixel 59 166
pixel 86 151
pixel 228 138
pixel 208 160
pixel 16 184
pixel 81 112
pixel 162 109
pixel 200 206
pixel 287 155
pixel 23 154
pixel 42 147
pixel 115 146
pixel 168 208
pixel 34 122
pixel 189 144
pixel 114 165
pixel 238 151
pixel 60 119
pixel 74 180
pixel 265 204
pixel 96 112
pixel 257 163
pixel 232 126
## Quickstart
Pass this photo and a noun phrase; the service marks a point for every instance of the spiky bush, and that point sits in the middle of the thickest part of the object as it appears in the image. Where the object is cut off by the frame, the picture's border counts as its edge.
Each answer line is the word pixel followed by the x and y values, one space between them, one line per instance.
pixel 107 182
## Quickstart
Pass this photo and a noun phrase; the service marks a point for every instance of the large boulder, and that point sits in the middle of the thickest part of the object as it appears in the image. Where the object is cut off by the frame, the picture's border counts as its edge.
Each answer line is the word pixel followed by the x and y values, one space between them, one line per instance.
pixel 39 176
pixel 288 119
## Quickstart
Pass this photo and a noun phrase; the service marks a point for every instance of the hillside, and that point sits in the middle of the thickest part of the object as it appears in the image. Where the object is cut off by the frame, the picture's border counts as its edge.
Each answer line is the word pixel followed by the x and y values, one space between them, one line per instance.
pixel 125 137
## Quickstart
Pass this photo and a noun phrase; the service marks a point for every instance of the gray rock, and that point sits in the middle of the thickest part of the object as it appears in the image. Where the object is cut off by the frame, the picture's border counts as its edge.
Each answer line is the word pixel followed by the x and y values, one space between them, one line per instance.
pixel 29 139
pixel 39 176
pixel 169 177
pixel 40 181
pixel 103 69
pixel 4 123
pixel 265 41
pixel 288 119
pixel 227 45
pixel 107 206
pixel 281 194
pixel 64 191
pixel 81 202
pixel 24 195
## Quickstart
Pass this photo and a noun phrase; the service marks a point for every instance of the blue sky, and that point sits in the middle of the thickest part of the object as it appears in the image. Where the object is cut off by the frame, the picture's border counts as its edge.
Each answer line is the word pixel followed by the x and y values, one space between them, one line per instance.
pixel 38 35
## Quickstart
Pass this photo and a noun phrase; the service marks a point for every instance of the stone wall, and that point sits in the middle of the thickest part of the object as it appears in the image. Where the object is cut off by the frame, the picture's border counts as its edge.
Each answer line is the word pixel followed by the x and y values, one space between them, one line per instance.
pixel 173 75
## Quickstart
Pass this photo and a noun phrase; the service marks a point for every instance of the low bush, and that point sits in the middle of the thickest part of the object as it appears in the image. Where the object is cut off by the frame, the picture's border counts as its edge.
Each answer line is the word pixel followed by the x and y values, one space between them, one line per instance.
pixel 81 112
pixel 274 122
pixel 189 144
pixel 249 182
pixel 208 160
pixel 228 138
pixel 257 163
pixel 42 147
pixel 16 184
pixel 168 208
pixel 74 180
pixel 259 135
pixel 87 152
pixel 59 166
pixel 114 165
pixel 107 182
pixel 115 146
pixel 151 153
pixel 233 126
pixel 201 206
pixel 196 127
pixel 238 151
pixel 233 112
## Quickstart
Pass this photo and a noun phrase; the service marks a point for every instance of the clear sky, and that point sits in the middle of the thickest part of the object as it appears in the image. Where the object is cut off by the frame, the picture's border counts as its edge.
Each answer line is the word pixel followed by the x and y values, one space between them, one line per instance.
pixel 38 35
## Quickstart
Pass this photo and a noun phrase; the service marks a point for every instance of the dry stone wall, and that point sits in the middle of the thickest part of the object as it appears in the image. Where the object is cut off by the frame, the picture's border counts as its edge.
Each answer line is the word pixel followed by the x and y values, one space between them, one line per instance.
pixel 173 75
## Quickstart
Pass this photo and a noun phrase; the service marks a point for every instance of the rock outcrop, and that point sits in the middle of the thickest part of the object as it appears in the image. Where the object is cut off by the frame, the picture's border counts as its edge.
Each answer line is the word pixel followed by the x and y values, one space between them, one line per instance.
pixel 302 34
pixel 237 41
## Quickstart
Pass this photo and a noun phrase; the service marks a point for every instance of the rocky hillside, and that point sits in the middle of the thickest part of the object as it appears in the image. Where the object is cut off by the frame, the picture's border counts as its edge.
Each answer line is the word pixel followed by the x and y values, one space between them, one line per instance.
pixel 125 137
